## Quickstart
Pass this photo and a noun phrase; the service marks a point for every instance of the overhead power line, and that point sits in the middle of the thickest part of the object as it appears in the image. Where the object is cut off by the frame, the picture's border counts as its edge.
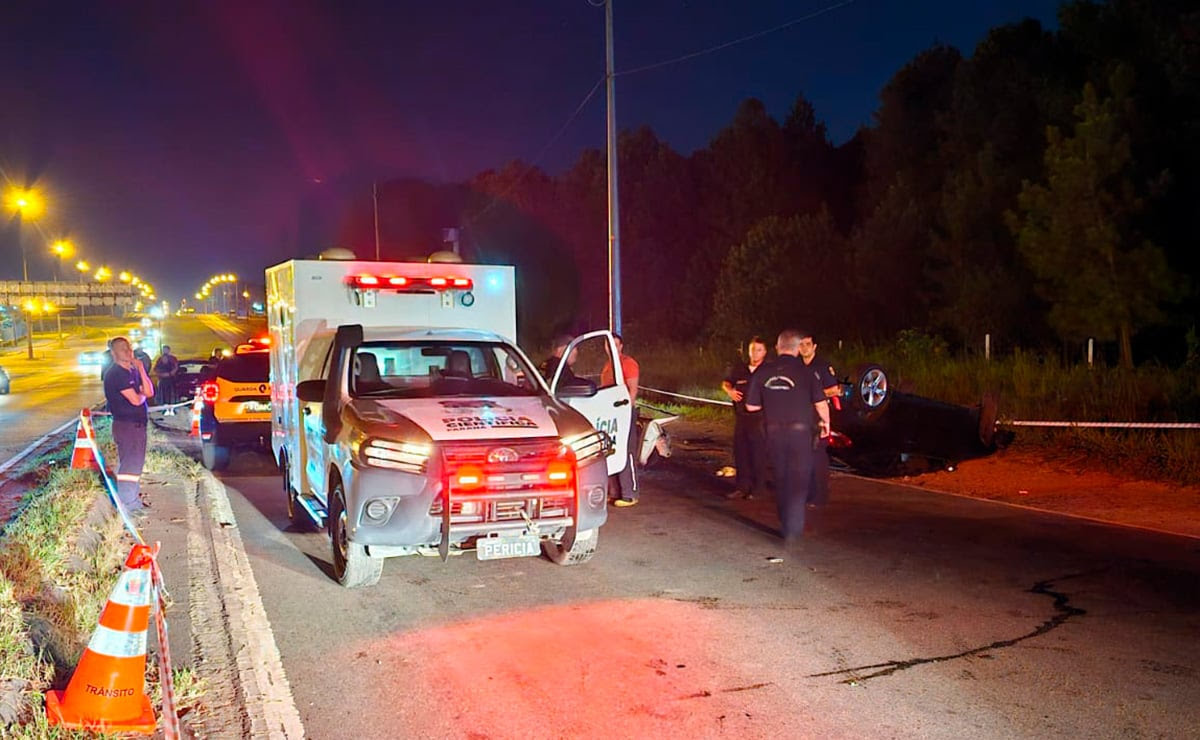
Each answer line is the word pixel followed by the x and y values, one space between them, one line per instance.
pixel 735 42
pixel 541 153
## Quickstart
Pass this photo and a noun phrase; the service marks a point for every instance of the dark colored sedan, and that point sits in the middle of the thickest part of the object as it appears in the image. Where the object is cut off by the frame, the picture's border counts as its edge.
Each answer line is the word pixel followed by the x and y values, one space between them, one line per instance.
pixel 191 374
pixel 880 431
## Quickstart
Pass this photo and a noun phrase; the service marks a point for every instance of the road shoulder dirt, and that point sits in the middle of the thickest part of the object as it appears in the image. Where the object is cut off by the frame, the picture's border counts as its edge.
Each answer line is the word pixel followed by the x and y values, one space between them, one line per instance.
pixel 1021 475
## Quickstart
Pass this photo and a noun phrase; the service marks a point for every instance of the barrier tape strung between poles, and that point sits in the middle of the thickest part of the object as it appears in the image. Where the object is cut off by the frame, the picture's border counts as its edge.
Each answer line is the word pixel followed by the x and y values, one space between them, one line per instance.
pixel 161 597
pixel 687 398
pixel 1106 424
pixel 1015 423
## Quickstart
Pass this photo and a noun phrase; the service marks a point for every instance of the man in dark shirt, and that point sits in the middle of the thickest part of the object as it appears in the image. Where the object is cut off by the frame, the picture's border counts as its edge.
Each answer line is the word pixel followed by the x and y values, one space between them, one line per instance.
pixel 165 369
pixel 550 366
pixel 789 396
pixel 818 493
pixel 126 388
pixel 749 437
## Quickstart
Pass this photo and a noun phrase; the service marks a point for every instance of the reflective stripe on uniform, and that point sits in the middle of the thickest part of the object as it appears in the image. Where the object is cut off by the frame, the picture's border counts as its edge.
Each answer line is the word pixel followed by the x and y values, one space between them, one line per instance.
pixel 133 589
pixel 128 477
pixel 117 644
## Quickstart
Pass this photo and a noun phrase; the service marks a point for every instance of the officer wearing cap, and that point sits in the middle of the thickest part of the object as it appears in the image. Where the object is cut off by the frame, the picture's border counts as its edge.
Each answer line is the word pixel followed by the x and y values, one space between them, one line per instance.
pixel 791 399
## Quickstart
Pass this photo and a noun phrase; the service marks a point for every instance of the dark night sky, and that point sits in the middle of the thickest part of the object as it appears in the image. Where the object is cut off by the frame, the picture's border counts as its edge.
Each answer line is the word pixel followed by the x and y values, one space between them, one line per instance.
pixel 179 139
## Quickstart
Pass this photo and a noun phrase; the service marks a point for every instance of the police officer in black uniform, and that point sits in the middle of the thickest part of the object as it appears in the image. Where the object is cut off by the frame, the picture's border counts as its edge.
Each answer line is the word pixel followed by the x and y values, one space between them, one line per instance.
pixel 791 398
pixel 818 492
pixel 749 437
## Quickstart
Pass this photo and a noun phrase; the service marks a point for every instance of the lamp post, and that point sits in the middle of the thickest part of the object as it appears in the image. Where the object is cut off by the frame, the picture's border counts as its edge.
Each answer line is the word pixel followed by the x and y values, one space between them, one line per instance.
pixel 26 204
pixel 102 275
pixel 62 249
pixel 82 266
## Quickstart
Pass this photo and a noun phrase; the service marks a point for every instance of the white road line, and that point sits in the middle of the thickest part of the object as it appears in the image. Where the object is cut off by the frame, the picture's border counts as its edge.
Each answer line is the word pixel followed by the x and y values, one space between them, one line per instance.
pixel 8 464
pixel 267 695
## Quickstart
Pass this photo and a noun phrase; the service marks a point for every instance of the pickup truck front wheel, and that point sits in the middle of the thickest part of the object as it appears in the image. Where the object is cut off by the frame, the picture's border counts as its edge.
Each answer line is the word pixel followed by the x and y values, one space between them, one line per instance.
pixel 352 566
pixel 581 552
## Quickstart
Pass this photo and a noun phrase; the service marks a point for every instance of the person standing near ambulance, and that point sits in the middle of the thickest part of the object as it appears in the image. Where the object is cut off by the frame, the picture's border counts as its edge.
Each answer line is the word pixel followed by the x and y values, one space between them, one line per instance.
pixel 126 388
pixel 628 475
pixel 818 491
pixel 788 393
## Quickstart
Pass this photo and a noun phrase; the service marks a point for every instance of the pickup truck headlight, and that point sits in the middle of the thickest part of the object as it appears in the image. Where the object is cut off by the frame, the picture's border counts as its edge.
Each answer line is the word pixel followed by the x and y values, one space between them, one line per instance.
pixel 410 457
pixel 590 445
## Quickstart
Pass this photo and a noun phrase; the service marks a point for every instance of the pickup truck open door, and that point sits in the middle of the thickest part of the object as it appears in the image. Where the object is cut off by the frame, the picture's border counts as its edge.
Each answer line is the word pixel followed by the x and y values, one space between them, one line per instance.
pixel 593 358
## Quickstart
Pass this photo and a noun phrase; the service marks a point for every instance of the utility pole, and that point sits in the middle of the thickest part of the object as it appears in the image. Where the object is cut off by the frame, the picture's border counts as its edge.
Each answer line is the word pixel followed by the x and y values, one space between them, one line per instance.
pixel 614 215
pixel 375 200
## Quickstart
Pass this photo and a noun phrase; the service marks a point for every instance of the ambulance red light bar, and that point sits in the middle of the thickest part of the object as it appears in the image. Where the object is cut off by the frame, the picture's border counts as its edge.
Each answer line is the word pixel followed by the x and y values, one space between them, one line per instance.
pixel 373 282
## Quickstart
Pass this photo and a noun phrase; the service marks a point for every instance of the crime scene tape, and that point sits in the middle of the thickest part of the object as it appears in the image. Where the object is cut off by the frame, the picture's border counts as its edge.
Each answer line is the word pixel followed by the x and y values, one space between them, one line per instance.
pixel 160 407
pixel 687 398
pixel 1106 424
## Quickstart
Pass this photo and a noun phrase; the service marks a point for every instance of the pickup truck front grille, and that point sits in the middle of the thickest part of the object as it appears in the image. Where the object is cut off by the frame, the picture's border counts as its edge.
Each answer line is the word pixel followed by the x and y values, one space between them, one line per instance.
pixel 515 482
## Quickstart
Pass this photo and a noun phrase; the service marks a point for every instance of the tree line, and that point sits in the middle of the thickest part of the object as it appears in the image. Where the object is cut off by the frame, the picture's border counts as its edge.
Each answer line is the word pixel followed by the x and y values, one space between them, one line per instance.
pixel 1043 190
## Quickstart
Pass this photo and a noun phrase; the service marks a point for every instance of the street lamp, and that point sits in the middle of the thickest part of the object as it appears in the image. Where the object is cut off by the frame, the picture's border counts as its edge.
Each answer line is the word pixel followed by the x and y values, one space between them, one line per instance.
pixel 25 204
pixel 83 268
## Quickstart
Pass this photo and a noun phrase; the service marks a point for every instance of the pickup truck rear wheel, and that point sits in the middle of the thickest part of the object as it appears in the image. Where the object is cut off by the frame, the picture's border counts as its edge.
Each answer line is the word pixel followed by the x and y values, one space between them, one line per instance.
pixel 352 566
pixel 214 456
pixel 580 552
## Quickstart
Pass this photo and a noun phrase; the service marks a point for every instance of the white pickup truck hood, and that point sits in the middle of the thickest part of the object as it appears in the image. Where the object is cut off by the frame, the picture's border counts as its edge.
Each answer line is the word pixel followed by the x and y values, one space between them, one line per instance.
pixel 476 418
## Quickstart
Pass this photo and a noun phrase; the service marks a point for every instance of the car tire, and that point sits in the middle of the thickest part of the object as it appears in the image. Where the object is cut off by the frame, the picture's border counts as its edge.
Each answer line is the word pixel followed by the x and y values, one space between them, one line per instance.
pixel 581 552
pixel 872 393
pixel 352 566
pixel 214 456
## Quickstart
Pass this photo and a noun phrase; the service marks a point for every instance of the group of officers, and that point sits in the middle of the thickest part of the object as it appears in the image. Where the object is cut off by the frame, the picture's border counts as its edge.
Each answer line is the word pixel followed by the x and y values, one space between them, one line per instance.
pixel 781 417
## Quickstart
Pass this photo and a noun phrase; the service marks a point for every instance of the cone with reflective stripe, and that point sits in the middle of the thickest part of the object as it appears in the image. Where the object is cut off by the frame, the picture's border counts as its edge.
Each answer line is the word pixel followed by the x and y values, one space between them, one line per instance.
pixel 196 406
pixel 83 457
pixel 107 690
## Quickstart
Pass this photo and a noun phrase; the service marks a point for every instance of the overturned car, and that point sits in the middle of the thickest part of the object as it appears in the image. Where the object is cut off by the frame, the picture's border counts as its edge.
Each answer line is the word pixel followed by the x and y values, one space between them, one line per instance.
pixel 879 431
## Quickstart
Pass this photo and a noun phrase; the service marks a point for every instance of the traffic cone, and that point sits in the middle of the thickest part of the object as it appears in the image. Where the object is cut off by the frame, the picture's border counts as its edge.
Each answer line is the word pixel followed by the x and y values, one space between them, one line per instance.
pixel 83 457
pixel 196 406
pixel 107 691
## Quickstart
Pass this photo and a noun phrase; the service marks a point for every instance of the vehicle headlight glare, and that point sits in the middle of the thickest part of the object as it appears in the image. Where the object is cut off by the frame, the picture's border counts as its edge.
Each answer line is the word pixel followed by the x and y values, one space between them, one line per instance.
pixel 407 456
pixel 589 445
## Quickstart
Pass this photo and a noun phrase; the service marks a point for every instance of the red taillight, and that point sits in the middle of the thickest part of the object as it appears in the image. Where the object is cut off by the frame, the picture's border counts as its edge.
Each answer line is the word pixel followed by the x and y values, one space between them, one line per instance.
pixel 399 282
pixel 438 282
pixel 837 440
pixel 209 392
pixel 462 282
pixel 366 280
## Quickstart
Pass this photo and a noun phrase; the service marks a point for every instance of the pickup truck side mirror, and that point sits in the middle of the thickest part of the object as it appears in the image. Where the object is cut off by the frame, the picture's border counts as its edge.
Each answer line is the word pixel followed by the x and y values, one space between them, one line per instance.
pixel 576 389
pixel 311 391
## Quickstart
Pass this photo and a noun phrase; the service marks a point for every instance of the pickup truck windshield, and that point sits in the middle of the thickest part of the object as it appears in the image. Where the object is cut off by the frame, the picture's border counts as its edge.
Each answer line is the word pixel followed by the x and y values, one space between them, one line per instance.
pixel 430 369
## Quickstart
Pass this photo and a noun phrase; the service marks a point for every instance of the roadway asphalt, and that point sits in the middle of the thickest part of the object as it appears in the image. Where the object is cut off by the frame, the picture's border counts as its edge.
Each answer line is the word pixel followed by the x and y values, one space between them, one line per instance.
pixel 905 614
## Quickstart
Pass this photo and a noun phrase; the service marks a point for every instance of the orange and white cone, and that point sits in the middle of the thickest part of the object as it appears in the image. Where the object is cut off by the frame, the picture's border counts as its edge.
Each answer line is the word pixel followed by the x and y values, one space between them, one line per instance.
pixel 107 691
pixel 83 457
pixel 197 405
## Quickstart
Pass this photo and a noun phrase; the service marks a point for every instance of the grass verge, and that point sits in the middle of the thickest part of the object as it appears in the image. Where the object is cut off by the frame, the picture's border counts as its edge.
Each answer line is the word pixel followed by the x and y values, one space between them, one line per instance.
pixel 59 561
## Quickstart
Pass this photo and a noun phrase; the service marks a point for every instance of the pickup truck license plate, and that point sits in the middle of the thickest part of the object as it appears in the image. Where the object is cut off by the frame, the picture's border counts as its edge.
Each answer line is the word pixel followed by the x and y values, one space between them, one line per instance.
pixel 511 546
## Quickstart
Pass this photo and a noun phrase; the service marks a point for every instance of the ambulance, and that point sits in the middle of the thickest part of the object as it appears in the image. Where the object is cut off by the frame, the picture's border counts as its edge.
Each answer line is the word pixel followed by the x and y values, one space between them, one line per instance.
pixel 406 421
